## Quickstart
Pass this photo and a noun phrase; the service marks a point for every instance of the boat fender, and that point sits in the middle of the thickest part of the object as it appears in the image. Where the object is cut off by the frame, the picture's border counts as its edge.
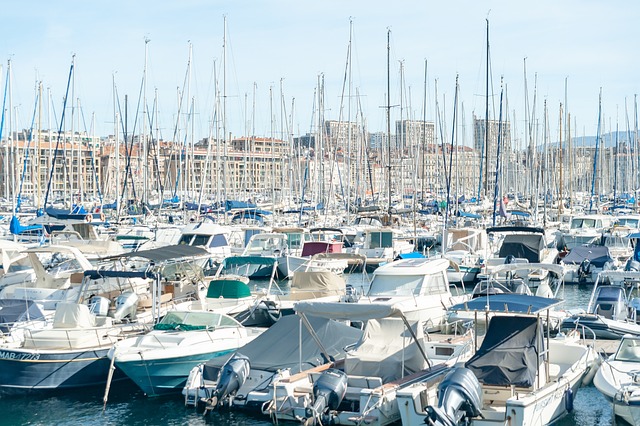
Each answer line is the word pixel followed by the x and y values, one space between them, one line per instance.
pixel 102 217
pixel 568 400
pixel 88 217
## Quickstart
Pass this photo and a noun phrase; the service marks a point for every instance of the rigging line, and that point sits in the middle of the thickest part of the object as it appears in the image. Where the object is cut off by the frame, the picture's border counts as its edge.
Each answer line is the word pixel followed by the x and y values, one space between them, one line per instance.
pixel 26 156
pixel 55 155
pixel 93 163
pixel 128 171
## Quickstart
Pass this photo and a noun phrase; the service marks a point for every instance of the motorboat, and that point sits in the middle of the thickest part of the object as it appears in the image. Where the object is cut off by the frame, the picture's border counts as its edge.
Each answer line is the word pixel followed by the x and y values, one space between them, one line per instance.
pixel 277 302
pixel 380 245
pixel 541 279
pixel 518 244
pixel 618 379
pixel 393 353
pixel 403 317
pixel 159 362
pixel 584 263
pixel 518 376
pixel 242 381
pixel 613 307
pixel 464 247
pixel 585 229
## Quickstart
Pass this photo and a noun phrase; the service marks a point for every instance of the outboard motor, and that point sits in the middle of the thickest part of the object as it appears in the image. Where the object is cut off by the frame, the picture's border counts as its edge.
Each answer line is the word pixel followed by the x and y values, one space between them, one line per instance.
pixel 351 294
pixel 632 265
pixel 460 396
pixel 126 306
pixel 584 270
pixel 328 392
pixel 99 305
pixel 232 376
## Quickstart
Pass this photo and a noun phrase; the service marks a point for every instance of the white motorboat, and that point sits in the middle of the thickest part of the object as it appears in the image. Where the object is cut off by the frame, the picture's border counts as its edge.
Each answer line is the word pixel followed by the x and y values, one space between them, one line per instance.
pixel 618 379
pixel 159 362
pixel 613 307
pixel 517 377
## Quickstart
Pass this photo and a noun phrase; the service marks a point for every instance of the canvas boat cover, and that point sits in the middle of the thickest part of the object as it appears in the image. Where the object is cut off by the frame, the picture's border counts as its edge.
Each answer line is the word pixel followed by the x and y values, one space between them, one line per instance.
pixel 248 266
pixel 597 255
pixel 14 310
pixel 510 352
pixel 313 284
pixel 525 246
pixel 387 350
pixel 287 342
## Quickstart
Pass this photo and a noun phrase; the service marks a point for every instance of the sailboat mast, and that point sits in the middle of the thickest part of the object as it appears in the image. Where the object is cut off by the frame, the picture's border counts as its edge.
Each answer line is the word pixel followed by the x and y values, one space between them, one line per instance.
pixel 595 154
pixel 389 122
pixel 560 187
pixel 486 119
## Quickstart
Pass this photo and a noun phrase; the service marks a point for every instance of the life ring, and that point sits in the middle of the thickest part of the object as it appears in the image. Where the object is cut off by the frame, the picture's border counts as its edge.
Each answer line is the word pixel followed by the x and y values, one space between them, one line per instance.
pixel 88 218
pixel 102 218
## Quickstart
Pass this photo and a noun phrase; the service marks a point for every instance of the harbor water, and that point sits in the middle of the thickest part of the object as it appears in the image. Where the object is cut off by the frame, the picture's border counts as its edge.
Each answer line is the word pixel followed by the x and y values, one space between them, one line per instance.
pixel 127 405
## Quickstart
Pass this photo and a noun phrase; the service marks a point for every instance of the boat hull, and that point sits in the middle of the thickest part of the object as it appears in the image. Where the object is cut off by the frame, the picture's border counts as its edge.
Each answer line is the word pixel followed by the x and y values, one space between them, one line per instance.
pixel 165 375
pixel 40 370
pixel 603 328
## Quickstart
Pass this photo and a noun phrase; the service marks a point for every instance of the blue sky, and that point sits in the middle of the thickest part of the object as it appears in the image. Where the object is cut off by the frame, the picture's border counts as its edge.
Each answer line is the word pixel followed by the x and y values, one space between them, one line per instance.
pixel 288 44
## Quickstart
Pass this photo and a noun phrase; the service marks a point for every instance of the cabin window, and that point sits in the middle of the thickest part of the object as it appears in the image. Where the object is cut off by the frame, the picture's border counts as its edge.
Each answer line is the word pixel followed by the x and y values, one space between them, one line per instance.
pixel 435 284
pixel 218 240
pixel 295 241
pixel 387 285
pixel 200 240
pixel 380 240
pixel 185 239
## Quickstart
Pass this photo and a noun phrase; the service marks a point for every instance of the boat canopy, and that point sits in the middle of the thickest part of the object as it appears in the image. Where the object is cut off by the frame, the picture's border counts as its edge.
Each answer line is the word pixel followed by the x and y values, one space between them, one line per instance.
pixel 529 229
pixel 597 255
pixel 164 254
pixel 510 302
pixel 14 310
pixel 253 267
pixel 97 274
pixel 350 311
pixel 298 353
pixel 510 352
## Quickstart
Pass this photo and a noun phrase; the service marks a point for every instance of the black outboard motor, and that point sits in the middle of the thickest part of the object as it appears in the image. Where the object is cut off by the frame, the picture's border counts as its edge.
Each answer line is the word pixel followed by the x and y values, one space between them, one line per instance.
pixel 232 376
pixel 460 396
pixel 632 265
pixel 584 270
pixel 328 392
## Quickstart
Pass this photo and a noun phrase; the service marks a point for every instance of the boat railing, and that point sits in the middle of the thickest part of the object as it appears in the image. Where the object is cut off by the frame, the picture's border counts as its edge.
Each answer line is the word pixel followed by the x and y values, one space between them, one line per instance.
pixel 71 338
pixel 581 329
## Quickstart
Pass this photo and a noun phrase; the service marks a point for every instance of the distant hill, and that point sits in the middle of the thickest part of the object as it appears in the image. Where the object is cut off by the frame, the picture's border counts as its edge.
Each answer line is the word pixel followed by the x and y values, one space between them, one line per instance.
pixel 606 140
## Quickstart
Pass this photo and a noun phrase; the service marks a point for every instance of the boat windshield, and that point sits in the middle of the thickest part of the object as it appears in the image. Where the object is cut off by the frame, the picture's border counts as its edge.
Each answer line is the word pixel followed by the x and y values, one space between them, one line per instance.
pixel 194 321
pixel 583 223
pixel 394 285
pixel 627 221
pixel 629 350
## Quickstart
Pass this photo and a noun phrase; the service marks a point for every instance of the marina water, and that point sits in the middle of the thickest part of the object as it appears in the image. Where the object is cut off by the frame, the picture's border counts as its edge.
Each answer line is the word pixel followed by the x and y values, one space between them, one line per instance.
pixel 127 405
